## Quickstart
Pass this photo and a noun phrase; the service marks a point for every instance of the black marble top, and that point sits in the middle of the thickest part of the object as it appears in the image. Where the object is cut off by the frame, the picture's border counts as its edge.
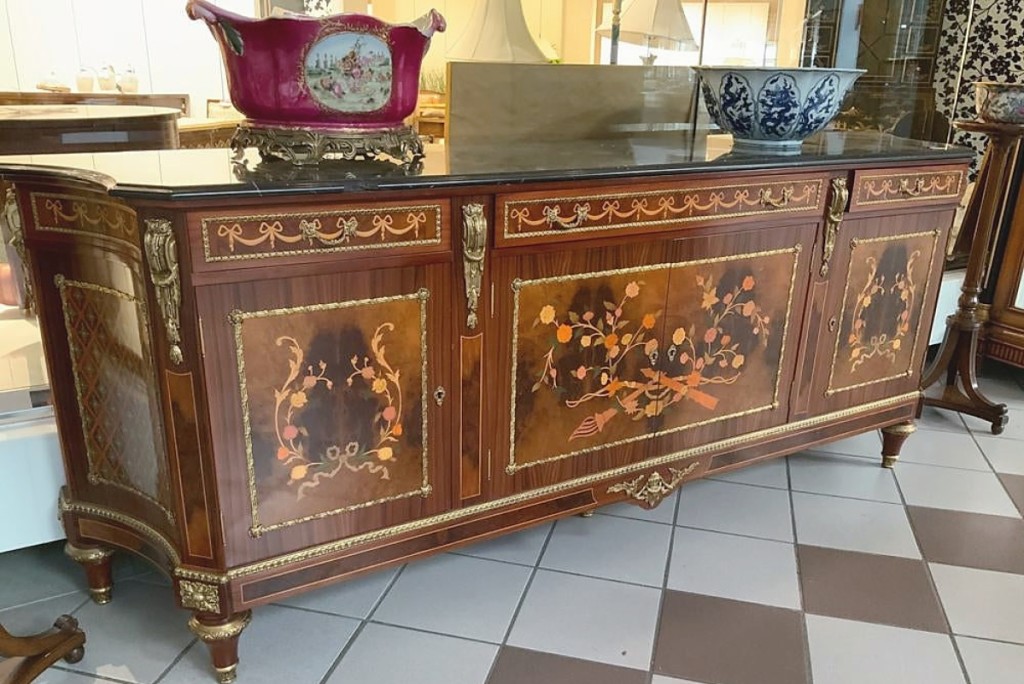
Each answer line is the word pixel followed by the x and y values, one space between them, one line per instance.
pixel 195 174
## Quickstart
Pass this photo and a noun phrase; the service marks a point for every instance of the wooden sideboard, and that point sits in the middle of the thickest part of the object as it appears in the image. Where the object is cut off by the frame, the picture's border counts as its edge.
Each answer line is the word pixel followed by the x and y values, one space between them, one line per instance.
pixel 264 389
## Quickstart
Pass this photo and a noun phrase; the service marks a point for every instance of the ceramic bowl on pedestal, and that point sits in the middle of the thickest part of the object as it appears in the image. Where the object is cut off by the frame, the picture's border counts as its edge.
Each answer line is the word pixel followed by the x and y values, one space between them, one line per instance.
pixel 316 87
pixel 999 102
pixel 772 109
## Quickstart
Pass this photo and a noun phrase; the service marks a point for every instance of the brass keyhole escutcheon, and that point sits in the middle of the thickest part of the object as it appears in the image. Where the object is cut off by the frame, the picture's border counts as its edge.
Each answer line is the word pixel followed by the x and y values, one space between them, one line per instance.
pixel 439 395
pixel 832 323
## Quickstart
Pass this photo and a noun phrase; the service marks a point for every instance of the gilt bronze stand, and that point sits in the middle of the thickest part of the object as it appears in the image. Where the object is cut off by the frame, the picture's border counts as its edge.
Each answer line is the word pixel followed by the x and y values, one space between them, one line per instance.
pixel 957 356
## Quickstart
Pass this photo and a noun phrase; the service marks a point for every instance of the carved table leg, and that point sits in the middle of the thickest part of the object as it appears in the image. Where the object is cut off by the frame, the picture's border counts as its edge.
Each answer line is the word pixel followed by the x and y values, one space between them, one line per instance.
pixel 96 561
pixel 40 651
pixel 221 637
pixel 893 438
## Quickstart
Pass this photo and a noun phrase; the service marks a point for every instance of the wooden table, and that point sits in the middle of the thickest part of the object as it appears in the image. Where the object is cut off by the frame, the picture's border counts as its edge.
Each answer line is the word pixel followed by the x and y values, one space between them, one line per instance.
pixel 39 129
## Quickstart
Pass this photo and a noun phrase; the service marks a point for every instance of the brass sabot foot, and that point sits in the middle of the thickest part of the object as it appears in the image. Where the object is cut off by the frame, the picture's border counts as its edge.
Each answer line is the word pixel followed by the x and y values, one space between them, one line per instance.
pixel 226 675
pixel 101 596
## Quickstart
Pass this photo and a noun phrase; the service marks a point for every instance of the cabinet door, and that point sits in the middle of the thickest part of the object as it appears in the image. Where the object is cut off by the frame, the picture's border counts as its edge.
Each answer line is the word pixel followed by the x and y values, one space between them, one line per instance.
pixel 617 355
pixel 878 309
pixel 325 423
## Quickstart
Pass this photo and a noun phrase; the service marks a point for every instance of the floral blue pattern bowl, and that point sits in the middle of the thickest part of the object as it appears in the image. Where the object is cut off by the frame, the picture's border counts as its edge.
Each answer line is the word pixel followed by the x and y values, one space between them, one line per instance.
pixel 772 108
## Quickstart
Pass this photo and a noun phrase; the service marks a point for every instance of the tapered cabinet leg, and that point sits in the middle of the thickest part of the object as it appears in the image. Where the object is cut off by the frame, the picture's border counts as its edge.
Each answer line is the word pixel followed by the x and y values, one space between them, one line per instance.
pixel 96 562
pixel 893 438
pixel 221 636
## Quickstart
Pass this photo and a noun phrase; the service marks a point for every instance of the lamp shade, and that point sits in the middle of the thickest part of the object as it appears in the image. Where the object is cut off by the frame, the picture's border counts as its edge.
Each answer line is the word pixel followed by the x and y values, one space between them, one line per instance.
pixel 655 23
pixel 497 32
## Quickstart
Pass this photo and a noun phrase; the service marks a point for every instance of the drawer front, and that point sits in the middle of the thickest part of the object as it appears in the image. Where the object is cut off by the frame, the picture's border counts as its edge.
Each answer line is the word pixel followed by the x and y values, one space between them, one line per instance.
pixel 532 217
pixel 885 188
pixel 240 239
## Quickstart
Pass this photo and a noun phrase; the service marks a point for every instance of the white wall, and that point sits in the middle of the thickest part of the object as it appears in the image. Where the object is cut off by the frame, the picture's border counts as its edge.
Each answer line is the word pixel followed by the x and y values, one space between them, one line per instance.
pixel 169 52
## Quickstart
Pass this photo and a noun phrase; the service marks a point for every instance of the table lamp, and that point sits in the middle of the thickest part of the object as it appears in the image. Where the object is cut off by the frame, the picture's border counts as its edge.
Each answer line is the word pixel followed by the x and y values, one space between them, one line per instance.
pixel 497 32
pixel 656 23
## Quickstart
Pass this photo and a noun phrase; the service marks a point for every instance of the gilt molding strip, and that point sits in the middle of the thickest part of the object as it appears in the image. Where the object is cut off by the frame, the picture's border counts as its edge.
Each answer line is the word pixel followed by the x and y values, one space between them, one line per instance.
pixel 237 318
pixel 732 443
pixel 693 206
pixel 514 466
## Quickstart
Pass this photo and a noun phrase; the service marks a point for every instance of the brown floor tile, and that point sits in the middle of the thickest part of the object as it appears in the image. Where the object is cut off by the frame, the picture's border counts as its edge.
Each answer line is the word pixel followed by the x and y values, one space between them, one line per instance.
pixel 1015 487
pixel 988 542
pixel 521 666
pixel 711 639
pixel 870 588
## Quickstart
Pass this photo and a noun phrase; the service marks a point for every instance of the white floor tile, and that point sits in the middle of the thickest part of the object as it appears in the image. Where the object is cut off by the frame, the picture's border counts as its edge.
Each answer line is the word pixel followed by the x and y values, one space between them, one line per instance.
pixel 866 444
pixel 280 645
pixel 1013 430
pixel 770 473
pixel 611 548
pixel 137 610
pixel 1005 455
pixel 936 447
pixel 867 526
pixel 850 652
pixel 519 547
pixel 840 475
pixel 940 419
pixel 392 655
pixel 456 595
pixel 662 513
pixel 36 573
pixel 741 568
pixel 56 676
pixel 661 679
pixel 991 662
pixel 981 603
pixel 352 598
pixel 593 619
pixel 735 508
pixel 954 489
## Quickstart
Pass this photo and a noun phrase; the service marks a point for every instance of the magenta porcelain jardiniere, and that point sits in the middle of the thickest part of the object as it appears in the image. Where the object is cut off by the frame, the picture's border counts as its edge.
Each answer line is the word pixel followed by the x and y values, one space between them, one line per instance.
pixel 342 73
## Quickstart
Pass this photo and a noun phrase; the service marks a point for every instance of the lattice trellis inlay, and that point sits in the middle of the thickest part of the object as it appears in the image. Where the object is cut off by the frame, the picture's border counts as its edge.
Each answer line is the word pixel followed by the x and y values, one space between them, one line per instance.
pixel 112 365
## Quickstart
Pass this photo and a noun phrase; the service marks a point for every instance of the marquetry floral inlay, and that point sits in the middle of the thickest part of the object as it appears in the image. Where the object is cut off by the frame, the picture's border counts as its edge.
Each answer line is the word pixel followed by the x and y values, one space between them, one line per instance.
pixel 878 288
pixel 320 231
pixel 307 470
pixel 610 211
pixel 604 340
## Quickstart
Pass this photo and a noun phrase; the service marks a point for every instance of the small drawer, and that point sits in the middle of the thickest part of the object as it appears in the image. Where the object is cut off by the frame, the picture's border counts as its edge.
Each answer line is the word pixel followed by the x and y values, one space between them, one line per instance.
pixel 880 188
pixel 532 217
pixel 238 239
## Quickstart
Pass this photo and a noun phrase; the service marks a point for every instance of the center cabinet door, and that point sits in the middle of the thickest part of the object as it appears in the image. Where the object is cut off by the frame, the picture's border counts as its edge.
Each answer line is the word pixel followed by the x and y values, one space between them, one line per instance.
pixel 324 416
pixel 625 353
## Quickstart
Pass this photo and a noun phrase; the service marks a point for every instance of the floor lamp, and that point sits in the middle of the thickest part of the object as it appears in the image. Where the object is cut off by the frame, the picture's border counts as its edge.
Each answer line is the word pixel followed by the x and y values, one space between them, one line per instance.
pixel 654 23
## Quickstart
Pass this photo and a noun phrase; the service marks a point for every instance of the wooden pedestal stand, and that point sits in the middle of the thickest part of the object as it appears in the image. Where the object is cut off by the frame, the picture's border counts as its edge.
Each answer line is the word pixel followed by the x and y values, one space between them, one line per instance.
pixel 956 358
pixel 31 655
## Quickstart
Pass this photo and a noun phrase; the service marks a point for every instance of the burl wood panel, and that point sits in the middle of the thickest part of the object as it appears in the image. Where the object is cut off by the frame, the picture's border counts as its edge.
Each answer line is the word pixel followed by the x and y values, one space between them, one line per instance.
pixel 187 442
pixel 612 357
pixel 242 237
pixel 335 399
pixel 471 415
pixel 532 217
pixel 888 188
pixel 888 282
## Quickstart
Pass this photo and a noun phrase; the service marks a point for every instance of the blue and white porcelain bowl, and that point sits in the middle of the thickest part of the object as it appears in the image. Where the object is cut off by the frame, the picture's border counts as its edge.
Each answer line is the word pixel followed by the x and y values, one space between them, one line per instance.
pixel 1000 102
pixel 769 108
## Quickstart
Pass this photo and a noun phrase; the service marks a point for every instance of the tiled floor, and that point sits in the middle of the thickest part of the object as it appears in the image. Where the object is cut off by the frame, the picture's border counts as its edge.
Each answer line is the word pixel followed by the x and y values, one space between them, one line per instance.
pixel 821 567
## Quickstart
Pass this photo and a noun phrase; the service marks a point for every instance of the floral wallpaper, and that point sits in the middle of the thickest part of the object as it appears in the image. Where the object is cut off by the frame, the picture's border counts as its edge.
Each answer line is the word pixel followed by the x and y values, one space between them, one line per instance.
pixel 994 34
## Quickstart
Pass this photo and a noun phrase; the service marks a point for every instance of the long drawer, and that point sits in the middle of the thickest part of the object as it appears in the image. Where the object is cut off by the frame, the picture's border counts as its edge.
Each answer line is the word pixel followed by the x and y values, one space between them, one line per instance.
pixel 305 233
pixel 546 216
pixel 875 189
